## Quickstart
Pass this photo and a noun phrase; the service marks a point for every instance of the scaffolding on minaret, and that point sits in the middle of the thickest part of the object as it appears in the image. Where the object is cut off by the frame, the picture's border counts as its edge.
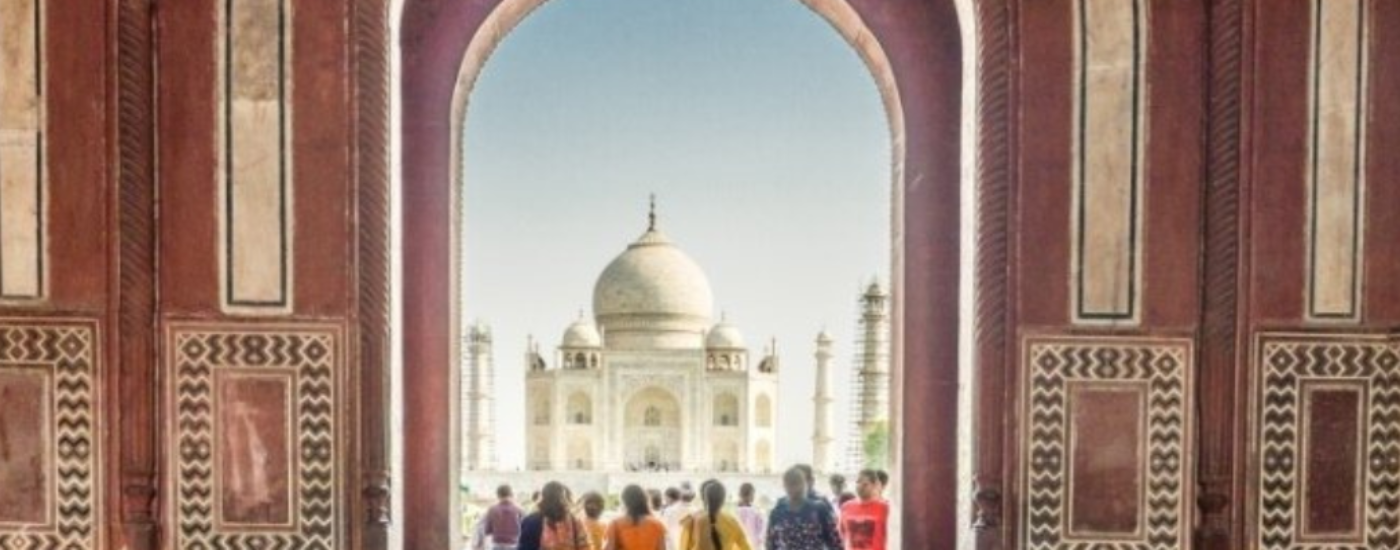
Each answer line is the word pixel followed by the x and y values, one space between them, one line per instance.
pixel 477 381
pixel 870 376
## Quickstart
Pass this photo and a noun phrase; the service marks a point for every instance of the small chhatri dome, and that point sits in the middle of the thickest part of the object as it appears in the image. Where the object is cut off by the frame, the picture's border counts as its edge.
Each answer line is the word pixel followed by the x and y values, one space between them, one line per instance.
pixel 582 334
pixel 824 337
pixel 724 336
pixel 653 286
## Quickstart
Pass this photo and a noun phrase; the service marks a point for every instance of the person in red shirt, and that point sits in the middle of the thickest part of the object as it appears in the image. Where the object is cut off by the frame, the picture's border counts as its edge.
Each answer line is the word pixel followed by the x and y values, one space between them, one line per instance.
pixel 865 521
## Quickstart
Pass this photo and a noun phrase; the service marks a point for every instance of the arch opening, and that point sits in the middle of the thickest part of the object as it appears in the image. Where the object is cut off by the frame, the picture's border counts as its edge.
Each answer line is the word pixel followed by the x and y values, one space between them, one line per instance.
pixel 434 54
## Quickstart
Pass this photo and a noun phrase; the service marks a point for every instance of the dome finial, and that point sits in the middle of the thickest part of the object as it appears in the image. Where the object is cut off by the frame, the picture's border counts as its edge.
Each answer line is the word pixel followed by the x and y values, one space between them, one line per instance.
pixel 651 215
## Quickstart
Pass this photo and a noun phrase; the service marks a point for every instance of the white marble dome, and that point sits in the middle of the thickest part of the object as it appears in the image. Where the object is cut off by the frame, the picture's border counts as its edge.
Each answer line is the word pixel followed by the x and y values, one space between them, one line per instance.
pixel 725 336
pixel 653 286
pixel 582 334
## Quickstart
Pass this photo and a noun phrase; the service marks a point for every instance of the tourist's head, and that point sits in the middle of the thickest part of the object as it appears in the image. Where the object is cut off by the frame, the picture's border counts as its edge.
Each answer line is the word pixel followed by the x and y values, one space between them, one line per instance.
pixel 795 485
pixel 673 494
pixel 554 501
pixel 712 493
pixel 635 501
pixel 808 475
pixel 868 484
pixel 884 478
pixel 503 492
pixel 593 505
pixel 838 483
pixel 746 494
pixel 656 499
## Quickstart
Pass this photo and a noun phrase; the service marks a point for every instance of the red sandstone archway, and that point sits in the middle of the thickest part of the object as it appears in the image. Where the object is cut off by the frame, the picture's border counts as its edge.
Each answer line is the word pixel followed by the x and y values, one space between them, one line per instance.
pixel 914 50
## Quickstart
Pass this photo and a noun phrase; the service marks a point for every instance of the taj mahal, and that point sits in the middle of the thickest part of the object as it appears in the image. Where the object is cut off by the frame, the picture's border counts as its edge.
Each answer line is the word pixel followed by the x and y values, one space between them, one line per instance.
pixel 652 386
pixel 652 382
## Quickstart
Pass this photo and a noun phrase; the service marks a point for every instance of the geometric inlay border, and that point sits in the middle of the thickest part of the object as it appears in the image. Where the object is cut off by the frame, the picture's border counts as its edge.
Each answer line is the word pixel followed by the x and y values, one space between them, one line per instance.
pixel 68 349
pixel 1164 366
pixel 310 355
pixel 1285 362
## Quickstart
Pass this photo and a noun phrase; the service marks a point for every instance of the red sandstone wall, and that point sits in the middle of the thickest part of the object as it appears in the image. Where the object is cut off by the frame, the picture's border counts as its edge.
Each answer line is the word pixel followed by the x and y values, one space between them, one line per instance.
pixel 1267 306
pixel 135 400
pixel 1166 424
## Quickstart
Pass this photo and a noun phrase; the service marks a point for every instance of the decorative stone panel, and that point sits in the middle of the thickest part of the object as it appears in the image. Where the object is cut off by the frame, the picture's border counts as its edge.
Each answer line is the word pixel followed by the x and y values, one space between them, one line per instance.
pixel 1106 459
pixel 1327 423
pixel 254 453
pixel 49 488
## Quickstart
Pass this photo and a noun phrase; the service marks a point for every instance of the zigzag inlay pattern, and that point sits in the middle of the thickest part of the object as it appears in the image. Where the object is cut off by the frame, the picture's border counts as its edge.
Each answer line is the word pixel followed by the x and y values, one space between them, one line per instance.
pixel 69 351
pixel 311 356
pixel 1051 365
pixel 1285 362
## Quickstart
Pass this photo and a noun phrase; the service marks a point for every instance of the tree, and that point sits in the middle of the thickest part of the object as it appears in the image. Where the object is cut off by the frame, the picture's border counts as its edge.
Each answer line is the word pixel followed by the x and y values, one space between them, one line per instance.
pixel 877 445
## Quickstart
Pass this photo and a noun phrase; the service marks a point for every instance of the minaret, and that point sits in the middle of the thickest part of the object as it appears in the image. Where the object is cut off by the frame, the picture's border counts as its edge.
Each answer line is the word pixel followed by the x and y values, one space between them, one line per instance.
pixel 872 371
pixel 478 445
pixel 821 433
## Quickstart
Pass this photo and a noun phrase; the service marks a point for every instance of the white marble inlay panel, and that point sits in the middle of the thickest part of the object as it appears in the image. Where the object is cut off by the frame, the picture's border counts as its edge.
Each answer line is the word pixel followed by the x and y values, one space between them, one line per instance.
pixel 1110 48
pixel 1336 179
pixel 21 151
pixel 257 178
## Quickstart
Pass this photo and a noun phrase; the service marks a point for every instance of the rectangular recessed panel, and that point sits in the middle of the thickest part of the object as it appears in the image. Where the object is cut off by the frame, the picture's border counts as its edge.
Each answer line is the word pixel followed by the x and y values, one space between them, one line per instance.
pixel 255 450
pixel 1107 453
pixel 21 143
pixel 263 402
pixel 1325 431
pixel 1332 461
pixel 1337 155
pixel 1108 165
pixel 256 183
pixel 25 439
pixel 1106 461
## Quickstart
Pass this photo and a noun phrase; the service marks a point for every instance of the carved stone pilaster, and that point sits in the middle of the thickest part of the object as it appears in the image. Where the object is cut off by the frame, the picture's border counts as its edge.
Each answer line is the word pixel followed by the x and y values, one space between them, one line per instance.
pixel 1219 350
pixel 136 274
pixel 992 278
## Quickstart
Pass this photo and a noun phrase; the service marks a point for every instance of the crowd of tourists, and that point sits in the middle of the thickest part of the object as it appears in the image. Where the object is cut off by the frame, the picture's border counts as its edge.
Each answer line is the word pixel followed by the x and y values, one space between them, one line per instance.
pixel 803 519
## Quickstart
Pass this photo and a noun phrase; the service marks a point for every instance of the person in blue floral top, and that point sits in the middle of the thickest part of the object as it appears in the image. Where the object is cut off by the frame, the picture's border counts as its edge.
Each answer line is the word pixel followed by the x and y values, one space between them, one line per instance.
pixel 800 522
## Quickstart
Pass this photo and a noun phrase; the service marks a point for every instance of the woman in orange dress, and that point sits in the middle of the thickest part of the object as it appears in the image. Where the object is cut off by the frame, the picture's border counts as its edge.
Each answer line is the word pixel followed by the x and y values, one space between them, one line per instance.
pixel 637 530
pixel 552 527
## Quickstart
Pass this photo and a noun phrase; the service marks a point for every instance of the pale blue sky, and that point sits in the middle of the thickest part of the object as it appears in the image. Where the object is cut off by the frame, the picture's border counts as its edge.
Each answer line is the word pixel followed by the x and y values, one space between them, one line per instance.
pixel 756 125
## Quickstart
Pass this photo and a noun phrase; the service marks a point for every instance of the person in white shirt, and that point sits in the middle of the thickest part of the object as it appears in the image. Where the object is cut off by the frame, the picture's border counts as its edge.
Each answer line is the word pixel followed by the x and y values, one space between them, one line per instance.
pixel 676 509
pixel 753 520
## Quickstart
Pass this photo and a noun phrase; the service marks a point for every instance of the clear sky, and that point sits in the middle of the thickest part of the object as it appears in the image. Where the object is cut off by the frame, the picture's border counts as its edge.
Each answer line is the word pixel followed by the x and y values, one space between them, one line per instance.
pixel 761 133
